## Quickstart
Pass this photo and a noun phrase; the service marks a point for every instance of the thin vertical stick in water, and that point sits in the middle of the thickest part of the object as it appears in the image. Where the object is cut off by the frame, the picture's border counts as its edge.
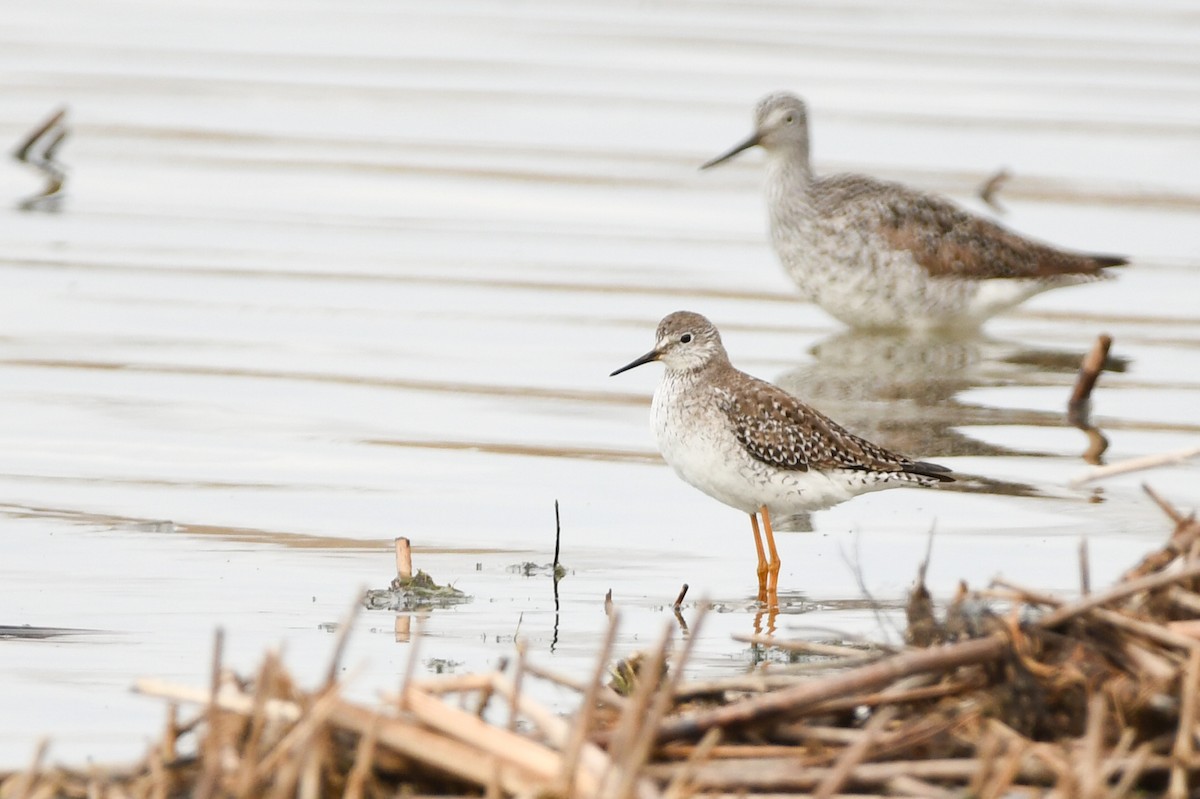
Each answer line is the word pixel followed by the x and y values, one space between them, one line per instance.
pixel 557 539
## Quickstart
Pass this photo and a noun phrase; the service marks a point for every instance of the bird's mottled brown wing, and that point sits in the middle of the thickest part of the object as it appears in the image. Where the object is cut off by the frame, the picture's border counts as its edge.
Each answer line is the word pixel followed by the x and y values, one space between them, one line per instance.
pixel 949 241
pixel 778 429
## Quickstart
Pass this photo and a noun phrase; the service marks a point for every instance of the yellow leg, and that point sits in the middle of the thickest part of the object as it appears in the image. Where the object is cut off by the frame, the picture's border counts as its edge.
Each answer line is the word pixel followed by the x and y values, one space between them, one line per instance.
pixel 762 559
pixel 773 566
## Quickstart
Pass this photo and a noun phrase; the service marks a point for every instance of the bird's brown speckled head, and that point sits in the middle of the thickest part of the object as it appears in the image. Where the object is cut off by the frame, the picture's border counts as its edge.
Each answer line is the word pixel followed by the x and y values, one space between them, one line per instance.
pixel 684 341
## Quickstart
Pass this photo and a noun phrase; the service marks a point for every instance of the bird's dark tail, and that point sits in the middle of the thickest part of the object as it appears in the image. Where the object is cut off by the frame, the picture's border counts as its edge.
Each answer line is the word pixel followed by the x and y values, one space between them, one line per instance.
pixel 1105 261
pixel 931 470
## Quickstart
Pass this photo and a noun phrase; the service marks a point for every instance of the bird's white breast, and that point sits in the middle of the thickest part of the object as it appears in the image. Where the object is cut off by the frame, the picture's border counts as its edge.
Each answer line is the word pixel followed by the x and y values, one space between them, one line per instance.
pixel 698 441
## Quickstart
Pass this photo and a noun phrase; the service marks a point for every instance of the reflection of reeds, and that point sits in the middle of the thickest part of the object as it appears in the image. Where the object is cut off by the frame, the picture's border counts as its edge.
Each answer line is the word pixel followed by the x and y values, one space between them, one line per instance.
pixel 1079 406
pixel 1085 698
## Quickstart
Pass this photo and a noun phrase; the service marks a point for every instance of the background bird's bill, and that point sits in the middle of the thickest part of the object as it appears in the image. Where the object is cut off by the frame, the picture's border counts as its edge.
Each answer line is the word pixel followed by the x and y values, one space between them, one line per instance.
pixel 753 141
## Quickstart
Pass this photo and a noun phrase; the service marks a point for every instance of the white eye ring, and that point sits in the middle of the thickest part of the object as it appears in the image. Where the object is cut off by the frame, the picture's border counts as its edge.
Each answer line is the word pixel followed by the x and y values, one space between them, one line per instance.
pixel 789 119
pixel 686 338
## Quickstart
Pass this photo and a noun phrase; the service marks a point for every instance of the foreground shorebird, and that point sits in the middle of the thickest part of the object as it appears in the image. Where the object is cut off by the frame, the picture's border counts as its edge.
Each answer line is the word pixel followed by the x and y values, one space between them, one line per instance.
pixel 752 445
pixel 876 254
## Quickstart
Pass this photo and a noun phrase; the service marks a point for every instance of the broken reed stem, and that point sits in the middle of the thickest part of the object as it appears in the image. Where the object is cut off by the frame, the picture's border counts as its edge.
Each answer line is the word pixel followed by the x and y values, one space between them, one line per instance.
pixel 559 734
pixel 991 187
pixel 1089 371
pixel 864 678
pixel 1182 751
pixel 1152 630
pixel 513 750
pixel 1088 763
pixel 1028 595
pixel 813 647
pixel 679 599
pixel 307 725
pixel 25 146
pixel 264 686
pixel 1172 512
pixel 1135 465
pixel 1119 591
pixel 454 683
pixel 404 569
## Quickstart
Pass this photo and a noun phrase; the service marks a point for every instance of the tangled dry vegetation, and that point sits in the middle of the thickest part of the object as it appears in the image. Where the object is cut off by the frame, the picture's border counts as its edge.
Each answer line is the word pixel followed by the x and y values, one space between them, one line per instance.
pixel 1009 693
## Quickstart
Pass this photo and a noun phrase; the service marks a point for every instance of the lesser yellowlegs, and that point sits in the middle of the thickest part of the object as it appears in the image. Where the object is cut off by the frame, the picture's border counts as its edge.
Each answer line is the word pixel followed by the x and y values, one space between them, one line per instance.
pixel 876 254
pixel 752 445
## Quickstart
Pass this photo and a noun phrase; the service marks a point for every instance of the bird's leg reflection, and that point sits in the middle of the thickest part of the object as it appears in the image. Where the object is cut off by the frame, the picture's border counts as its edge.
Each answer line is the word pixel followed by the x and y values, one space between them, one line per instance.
pixel 771 611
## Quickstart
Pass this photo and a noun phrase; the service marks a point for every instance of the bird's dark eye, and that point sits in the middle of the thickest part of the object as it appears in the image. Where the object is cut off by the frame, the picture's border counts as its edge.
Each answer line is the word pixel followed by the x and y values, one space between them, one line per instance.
pixel 686 338
pixel 789 119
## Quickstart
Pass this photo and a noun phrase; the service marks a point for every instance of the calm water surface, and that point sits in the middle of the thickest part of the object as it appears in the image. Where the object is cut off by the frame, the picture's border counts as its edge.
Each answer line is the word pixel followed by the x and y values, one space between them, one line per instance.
pixel 328 273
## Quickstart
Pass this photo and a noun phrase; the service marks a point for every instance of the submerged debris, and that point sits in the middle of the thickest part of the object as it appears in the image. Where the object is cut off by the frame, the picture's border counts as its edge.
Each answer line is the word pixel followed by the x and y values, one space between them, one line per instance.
pixel 1009 692
pixel 413 593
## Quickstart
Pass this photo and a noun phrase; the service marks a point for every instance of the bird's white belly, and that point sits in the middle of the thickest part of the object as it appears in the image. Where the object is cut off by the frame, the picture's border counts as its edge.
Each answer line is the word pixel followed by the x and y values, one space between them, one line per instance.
pixel 696 440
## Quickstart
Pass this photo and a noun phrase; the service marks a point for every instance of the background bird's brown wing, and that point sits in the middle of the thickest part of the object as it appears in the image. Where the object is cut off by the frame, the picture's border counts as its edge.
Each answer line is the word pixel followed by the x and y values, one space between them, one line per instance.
pixel 778 429
pixel 951 242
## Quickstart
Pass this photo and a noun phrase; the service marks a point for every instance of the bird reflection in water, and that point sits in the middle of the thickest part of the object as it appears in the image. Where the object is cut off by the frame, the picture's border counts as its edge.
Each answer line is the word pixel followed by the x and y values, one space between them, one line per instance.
pixel 904 392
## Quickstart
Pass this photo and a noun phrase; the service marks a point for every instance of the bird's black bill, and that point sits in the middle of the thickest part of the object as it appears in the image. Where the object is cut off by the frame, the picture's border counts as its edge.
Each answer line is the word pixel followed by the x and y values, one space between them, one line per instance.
pixel 746 145
pixel 652 355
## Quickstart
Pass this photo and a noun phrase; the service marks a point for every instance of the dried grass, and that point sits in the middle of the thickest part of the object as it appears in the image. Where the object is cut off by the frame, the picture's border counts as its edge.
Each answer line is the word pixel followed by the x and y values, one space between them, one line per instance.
pixel 1088 698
